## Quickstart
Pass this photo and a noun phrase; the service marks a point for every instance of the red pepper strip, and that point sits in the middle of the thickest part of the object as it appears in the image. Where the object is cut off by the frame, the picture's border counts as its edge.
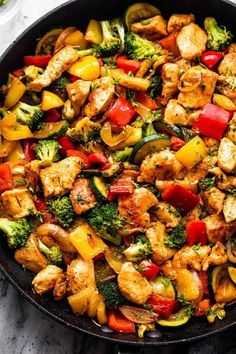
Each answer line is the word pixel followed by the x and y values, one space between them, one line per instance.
pixel 65 143
pixel 42 207
pixel 180 197
pixel 28 147
pixel 6 178
pixel 73 78
pixel 127 64
pixel 99 159
pixel 18 73
pixel 81 155
pixel 98 257
pixel 196 233
pixel 100 61
pixel 148 102
pixel 170 43
pixel 162 305
pixel 124 186
pixel 52 116
pixel 122 112
pixel 119 323
pixel 211 57
pixel 39 60
pixel 203 276
pixel 202 307
pixel 213 121
pixel 149 270
pixel 176 143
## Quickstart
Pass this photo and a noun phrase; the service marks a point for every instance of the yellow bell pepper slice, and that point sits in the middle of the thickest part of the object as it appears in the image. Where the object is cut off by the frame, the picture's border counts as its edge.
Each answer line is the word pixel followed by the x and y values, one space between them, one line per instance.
pixel 94 32
pixel 132 139
pixel 12 130
pixel 115 258
pixel 76 39
pixel 50 100
pixel 86 241
pixel 192 153
pixel 16 154
pixel 130 82
pixel 16 91
pixel 224 102
pixel 6 146
pixel 87 68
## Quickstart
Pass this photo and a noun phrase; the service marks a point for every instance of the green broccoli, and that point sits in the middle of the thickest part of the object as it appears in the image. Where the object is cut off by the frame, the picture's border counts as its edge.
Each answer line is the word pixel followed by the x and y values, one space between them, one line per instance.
pixel 17 232
pixel 218 37
pixel 47 151
pixel 29 115
pixel 118 28
pixel 106 220
pixel 33 72
pixel 139 250
pixel 111 294
pixel 53 254
pixel 84 130
pixel 177 237
pixel 3 2
pixel 122 155
pixel 59 87
pixel 207 183
pixel 137 47
pixel 148 129
pixel 63 210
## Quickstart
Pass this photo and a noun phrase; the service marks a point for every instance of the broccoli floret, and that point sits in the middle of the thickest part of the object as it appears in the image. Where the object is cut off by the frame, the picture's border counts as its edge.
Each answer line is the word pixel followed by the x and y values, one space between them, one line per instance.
pixel 137 47
pixel 106 220
pixel 207 183
pixel 177 237
pixel 32 72
pixel 53 254
pixel 47 151
pixel 29 115
pixel 59 87
pixel 118 27
pixel 148 129
pixel 122 155
pixel 84 130
pixel 17 231
pixel 111 294
pixel 139 250
pixel 62 208
pixel 218 37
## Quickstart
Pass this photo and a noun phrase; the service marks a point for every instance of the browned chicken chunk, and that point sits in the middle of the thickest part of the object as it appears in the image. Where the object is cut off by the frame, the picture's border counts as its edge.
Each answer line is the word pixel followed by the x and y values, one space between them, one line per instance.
pixel 78 92
pixel 227 155
pixel 213 200
pixel 82 197
pixel 18 203
pixel 177 21
pixel 170 77
pixel 167 214
pixel 218 229
pixel 228 64
pixel 229 209
pixel 191 41
pixel 151 29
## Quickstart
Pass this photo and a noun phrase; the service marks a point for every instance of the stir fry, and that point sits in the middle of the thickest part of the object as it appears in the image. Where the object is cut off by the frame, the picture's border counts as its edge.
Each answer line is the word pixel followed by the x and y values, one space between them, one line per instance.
pixel 117 174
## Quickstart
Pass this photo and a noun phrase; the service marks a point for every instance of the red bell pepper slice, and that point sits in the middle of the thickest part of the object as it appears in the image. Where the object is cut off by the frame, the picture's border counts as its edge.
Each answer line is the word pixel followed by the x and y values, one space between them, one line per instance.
pixel 196 233
pixel 203 276
pixel 42 207
pixel 123 186
pixel 98 257
pixel 202 307
pixel 122 112
pixel 73 78
pixel 180 197
pixel 18 73
pixel 127 64
pixel 6 178
pixel 28 148
pixel 148 102
pixel 119 323
pixel 52 116
pixel 81 155
pixel 170 43
pixel 100 61
pixel 162 305
pixel 100 160
pixel 177 143
pixel 38 60
pixel 65 143
pixel 213 121
pixel 211 57
pixel 148 269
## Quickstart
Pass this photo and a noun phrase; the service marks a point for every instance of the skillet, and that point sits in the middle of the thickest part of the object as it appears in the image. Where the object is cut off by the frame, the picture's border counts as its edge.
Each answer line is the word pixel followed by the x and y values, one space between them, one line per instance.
pixel 78 13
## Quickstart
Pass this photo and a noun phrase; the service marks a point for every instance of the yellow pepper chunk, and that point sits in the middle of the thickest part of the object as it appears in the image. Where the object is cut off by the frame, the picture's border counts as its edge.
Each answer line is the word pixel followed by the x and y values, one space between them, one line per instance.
pixel 130 82
pixel 50 100
pixel 16 91
pixel 87 242
pixel 12 130
pixel 192 153
pixel 87 68
pixel 94 32
pixel 132 139
pixel 76 39
pixel 224 102
pixel 16 154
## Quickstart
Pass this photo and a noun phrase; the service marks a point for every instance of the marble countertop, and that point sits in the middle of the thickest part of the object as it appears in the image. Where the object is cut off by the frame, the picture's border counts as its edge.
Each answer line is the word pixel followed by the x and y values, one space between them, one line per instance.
pixel 25 330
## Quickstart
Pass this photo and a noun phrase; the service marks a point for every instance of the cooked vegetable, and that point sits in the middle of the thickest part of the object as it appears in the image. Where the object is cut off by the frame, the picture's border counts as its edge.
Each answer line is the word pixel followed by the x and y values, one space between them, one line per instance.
pixel 6 178
pixel 218 37
pixel 16 91
pixel 192 152
pixel 58 87
pixel 196 233
pixel 12 130
pixel 177 319
pixel 86 68
pixel 116 139
pixel 137 315
pixel 62 208
pixel 29 115
pixel 17 232
pixel 51 130
pixel 111 294
pixel 84 130
pixel 210 58
pixel 129 82
pixel 99 188
pixel 224 102
pixel 232 274
pixel 180 197
pixel 161 305
pixel 148 269
pixel 231 250
pixel 122 155
pixel 40 61
pixel 53 254
pixel 94 32
pixel 186 285
pixel 137 47
pixel 50 100
pixel 163 287
pixel 119 323
pixel 177 237
pixel 122 112
pixel 139 250
pixel 139 11
pixel 47 151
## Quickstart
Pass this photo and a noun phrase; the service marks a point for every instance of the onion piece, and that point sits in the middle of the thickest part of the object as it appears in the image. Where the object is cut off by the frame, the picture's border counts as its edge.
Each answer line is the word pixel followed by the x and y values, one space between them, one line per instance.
pixel 138 315
pixel 189 85
pixel 110 140
pixel 200 287
pixel 61 39
pixel 49 39
pixel 145 113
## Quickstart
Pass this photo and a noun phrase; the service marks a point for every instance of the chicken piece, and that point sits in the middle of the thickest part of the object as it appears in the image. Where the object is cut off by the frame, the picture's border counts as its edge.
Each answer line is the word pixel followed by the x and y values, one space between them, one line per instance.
pixel 191 257
pixel 228 65
pixel 58 178
pixel 178 21
pixel 168 270
pixel 175 113
pixel 232 48
pixel 68 112
pixel 229 209
pixel 156 234
pixel 170 77
pixel 223 181
pixel 183 65
pixel 32 170
pixel 82 196
pixel 30 257
pixel 167 214
pixel 59 63
pixel 78 92
pixel 50 279
pixel 191 41
pixel 162 166
pixel 213 199
pixel 101 97
pixel 227 86
pixel 217 228
pixel 194 214
pixel 190 185
pixel 80 276
pixel 217 256
pixel 133 286
pixel 134 208
pixel 227 155
pixel 201 170
pixel 153 28
pixel 198 85
pixel 18 203
pixel 231 133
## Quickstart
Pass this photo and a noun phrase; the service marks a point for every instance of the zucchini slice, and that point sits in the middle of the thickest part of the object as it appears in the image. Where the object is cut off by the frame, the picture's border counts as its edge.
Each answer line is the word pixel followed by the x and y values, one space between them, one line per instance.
pixel 163 287
pixel 138 12
pixel 169 129
pixel 99 188
pixel 177 319
pixel 219 273
pixel 232 274
pixel 51 130
pixel 231 250
pixel 150 144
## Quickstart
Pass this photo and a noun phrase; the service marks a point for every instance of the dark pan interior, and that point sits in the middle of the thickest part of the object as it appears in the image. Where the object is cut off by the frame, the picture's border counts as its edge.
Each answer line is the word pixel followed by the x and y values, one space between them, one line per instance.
pixel 78 13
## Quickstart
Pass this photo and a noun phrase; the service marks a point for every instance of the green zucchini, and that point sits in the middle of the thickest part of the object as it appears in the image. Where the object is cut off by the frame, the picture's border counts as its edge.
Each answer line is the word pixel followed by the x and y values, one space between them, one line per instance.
pixel 219 273
pixel 232 274
pixel 51 130
pixel 231 250
pixel 138 12
pixel 177 319
pixel 169 129
pixel 99 188
pixel 113 171
pixel 148 145
pixel 163 287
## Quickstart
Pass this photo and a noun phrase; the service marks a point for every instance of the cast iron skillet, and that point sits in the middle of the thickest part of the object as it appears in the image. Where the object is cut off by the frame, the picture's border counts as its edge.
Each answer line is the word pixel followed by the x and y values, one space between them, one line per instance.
pixel 78 13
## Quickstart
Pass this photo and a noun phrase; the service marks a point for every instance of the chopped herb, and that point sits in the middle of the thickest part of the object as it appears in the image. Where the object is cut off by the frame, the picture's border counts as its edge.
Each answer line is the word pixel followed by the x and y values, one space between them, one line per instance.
pixel 145 22
pixel 196 249
pixel 166 282
pixel 140 268
pixel 19 182
pixel 207 183
pixel 177 237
